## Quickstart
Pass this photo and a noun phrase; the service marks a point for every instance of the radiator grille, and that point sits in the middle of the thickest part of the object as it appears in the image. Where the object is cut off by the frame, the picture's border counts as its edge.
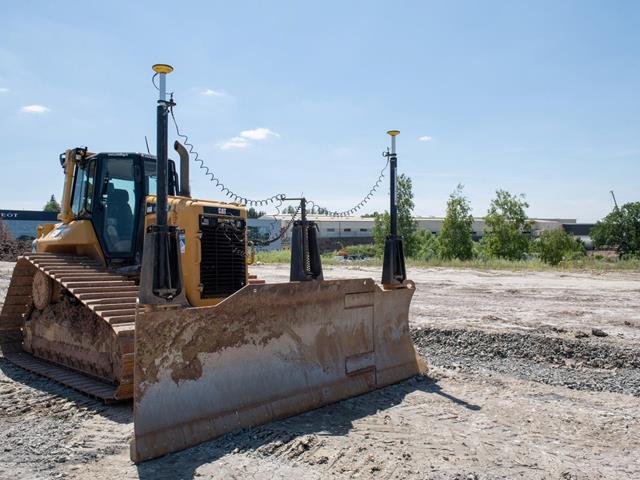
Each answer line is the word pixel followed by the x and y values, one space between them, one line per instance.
pixel 223 260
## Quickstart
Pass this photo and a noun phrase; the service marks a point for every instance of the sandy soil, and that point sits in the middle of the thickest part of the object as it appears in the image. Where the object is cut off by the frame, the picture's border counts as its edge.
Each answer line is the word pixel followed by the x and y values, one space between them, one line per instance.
pixel 519 387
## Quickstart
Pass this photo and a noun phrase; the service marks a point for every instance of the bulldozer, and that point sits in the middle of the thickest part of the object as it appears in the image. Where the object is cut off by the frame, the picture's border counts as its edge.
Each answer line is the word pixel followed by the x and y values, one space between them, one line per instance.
pixel 142 292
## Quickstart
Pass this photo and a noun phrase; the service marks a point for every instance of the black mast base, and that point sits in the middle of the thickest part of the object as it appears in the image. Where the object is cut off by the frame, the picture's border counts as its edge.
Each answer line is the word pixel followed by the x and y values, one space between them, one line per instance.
pixel 305 254
pixel 161 280
pixel 394 272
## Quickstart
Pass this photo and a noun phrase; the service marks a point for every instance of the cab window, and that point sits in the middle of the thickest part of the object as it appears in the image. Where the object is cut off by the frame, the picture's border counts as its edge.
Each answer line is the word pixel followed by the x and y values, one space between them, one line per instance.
pixel 82 200
pixel 119 197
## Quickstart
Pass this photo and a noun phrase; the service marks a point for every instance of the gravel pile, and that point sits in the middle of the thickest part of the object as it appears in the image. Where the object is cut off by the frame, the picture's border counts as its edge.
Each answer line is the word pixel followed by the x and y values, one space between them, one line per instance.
pixel 553 349
pixel 10 250
pixel 582 364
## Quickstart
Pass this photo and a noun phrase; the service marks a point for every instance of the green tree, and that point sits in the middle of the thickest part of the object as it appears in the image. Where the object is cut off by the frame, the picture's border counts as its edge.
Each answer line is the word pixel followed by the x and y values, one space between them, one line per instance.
pixel 319 210
pixel 381 224
pixel 507 229
pixel 620 229
pixel 455 239
pixel 406 225
pixel 553 246
pixel 52 205
pixel 253 213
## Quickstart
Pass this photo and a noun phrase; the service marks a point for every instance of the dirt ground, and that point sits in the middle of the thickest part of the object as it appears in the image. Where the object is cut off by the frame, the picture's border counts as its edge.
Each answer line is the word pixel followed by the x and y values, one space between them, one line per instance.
pixel 532 375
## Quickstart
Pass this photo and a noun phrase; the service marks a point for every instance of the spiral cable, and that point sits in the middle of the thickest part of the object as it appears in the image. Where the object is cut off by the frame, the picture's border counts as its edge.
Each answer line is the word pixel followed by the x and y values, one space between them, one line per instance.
pixel 276 200
pixel 283 230
pixel 358 206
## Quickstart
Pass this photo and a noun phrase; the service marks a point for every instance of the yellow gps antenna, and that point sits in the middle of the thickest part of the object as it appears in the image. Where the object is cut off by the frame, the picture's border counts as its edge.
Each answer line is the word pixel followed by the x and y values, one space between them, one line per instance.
pixel 393 267
pixel 393 134
pixel 162 70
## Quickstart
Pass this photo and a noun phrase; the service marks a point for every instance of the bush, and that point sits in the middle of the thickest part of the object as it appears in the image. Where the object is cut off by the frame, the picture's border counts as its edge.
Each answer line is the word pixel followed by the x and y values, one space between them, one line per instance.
pixel 361 250
pixel 553 246
pixel 480 252
pixel 427 246
pixel 620 230
pixel 455 239
pixel 508 228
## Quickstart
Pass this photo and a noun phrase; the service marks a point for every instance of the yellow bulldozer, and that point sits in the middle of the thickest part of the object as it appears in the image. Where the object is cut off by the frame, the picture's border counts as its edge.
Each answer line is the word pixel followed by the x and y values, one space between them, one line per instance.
pixel 141 291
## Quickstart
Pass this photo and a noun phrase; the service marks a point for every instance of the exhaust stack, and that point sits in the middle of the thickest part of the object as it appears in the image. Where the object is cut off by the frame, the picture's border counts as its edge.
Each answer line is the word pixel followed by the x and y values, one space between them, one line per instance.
pixel 185 188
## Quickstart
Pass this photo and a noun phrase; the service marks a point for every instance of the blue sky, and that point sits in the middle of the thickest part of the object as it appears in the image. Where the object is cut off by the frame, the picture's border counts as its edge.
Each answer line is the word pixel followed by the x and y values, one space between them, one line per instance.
pixel 540 98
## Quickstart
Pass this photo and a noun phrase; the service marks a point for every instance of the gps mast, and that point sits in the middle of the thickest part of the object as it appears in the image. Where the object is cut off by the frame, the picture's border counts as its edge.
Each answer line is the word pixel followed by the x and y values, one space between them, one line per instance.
pixel 393 268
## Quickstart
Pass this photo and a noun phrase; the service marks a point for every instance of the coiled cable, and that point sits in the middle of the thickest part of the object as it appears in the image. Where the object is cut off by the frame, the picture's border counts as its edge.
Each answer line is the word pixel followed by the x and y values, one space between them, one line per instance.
pixel 358 206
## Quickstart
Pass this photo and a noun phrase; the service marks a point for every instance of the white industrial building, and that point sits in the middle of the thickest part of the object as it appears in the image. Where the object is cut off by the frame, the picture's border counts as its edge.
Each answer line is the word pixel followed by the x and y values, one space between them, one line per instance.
pixel 335 231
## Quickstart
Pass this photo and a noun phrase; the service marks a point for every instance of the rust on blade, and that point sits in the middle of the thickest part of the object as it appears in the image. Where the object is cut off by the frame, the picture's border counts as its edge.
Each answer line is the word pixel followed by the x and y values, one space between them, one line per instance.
pixel 267 352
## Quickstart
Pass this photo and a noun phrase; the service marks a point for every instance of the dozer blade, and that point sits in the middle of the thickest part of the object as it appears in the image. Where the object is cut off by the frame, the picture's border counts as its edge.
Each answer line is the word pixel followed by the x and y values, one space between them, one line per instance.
pixel 266 352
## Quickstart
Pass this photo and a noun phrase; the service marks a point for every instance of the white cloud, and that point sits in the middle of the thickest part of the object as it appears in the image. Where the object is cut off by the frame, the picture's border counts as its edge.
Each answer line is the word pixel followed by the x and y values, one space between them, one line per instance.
pixel 246 138
pixel 234 143
pixel 34 109
pixel 425 138
pixel 3 90
pixel 258 134
pixel 212 93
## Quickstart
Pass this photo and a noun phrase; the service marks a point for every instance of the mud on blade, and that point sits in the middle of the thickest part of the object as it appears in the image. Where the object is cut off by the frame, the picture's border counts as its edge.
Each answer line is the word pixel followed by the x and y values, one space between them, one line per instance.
pixel 266 352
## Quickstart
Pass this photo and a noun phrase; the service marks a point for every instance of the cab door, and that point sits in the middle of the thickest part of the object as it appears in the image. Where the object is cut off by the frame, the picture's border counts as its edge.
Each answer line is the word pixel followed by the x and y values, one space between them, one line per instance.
pixel 118 209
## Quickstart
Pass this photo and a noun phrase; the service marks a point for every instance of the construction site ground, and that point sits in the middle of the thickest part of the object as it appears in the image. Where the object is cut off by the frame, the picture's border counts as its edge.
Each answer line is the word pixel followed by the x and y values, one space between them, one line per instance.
pixel 532 375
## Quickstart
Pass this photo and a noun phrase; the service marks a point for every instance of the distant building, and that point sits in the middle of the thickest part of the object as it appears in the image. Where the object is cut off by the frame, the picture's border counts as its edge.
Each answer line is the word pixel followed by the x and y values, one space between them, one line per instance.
pixel 581 231
pixel 265 229
pixel 23 224
pixel 334 232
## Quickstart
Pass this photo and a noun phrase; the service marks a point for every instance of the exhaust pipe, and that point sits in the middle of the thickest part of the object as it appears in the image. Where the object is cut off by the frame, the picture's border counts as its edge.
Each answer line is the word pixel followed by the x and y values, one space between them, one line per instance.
pixel 185 189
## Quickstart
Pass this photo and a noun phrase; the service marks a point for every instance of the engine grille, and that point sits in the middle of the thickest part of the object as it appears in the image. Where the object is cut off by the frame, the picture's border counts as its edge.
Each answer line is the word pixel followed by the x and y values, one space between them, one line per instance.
pixel 223 259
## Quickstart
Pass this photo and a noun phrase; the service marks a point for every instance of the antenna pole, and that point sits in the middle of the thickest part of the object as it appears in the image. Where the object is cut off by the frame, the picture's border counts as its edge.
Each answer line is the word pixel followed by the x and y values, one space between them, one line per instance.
pixel 162 144
pixel 393 197
pixel 393 266
pixel 161 273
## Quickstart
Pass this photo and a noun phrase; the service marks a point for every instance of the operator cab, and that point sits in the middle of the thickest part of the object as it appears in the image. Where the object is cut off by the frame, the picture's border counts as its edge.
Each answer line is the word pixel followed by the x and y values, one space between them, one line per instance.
pixel 110 189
